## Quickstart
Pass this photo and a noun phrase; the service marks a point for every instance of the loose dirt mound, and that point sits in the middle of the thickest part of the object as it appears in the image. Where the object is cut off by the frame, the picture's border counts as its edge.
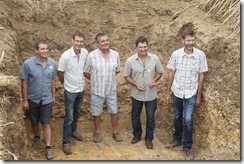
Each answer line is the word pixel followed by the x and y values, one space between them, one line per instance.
pixel 216 121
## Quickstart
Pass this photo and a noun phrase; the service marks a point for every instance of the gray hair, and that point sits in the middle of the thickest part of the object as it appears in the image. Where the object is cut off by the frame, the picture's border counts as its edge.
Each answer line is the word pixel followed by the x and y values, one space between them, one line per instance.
pixel 99 35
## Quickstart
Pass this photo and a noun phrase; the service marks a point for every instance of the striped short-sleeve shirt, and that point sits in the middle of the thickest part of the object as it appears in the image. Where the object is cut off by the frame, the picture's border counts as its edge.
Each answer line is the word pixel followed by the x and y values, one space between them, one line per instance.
pixel 103 72
pixel 187 68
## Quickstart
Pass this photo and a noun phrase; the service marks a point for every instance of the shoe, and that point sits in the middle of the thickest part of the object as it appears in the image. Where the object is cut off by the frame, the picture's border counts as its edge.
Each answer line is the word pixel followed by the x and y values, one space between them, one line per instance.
pixel 188 154
pixel 116 137
pixel 149 144
pixel 97 137
pixel 135 140
pixel 49 154
pixel 36 143
pixel 173 144
pixel 77 136
pixel 67 149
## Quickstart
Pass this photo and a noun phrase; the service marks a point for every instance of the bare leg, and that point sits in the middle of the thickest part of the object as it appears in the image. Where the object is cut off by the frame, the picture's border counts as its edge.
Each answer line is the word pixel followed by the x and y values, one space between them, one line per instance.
pixel 114 121
pixel 97 120
pixel 36 129
pixel 47 134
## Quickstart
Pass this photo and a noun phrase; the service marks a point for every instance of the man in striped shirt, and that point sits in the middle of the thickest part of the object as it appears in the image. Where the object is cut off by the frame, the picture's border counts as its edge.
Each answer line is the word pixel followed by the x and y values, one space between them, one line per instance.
pixel 188 67
pixel 101 67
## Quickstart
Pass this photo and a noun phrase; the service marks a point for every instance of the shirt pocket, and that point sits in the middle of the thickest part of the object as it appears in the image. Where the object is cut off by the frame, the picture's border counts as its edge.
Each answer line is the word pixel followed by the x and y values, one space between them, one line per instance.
pixel 178 64
pixel 113 66
pixel 49 73
pixel 194 66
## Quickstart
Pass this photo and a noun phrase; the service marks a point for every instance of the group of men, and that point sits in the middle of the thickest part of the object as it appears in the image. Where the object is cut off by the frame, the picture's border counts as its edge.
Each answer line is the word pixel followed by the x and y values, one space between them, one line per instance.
pixel 187 68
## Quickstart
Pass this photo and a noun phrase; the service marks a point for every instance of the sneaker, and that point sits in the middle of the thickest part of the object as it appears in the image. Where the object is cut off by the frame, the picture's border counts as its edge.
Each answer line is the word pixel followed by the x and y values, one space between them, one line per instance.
pixel 97 138
pixel 149 144
pixel 49 154
pixel 36 143
pixel 116 137
pixel 188 155
pixel 67 149
pixel 173 144
pixel 77 136
pixel 135 140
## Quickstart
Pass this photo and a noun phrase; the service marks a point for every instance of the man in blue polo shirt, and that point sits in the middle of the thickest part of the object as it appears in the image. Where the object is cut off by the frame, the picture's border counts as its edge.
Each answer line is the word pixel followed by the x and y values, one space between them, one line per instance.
pixel 38 92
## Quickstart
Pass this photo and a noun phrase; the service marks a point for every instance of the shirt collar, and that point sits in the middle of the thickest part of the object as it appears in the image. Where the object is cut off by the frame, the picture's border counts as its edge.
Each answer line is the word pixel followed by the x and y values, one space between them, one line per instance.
pixel 47 60
pixel 184 54
pixel 137 56
pixel 101 53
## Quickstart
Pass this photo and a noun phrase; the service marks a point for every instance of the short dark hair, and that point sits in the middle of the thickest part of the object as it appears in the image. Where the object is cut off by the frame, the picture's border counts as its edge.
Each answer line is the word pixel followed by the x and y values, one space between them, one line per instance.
pixel 99 35
pixel 36 46
pixel 141 39
pixel 78 33
pixel 187 32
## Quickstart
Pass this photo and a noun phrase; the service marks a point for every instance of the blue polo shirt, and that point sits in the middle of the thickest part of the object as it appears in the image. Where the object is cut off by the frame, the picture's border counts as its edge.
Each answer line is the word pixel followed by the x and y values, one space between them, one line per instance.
pixel 39 79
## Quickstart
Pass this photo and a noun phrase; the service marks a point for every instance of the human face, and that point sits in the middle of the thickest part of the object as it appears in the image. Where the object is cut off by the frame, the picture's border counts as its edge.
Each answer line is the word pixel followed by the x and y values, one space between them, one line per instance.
pixel 103 43
pixel 42 50
pixel 78 42
pixel 188 42
pixel 142 48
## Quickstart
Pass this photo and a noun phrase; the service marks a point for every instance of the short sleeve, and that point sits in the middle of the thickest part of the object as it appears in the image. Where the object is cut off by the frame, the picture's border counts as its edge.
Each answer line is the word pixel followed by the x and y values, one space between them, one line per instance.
pixel 62 63
pixel 203 63
pixel 24 71
pixel 127 71
pixel 87 65
pixel 172 62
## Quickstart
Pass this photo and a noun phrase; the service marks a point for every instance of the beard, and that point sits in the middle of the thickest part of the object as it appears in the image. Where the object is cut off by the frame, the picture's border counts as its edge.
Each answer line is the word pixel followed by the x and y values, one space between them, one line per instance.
pixel 189 47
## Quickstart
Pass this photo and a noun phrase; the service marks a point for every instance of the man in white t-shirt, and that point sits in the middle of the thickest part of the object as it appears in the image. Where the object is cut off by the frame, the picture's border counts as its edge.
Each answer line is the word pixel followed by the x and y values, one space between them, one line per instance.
pixel 70 73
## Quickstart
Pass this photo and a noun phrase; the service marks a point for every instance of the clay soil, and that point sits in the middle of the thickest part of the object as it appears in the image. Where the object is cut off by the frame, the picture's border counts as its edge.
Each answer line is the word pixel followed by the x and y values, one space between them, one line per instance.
pixel 216 121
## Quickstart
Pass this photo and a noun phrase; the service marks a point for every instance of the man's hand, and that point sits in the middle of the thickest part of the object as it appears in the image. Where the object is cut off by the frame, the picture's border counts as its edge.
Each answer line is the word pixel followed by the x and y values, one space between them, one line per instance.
pixel 198 101
pixel 54 101
pixel 169 99
pixel 152 84
pixel 140 87
pixel 25 105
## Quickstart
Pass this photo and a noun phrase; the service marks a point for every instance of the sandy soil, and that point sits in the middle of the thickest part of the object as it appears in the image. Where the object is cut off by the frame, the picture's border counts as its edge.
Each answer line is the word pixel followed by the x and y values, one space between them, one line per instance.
pixel 216 121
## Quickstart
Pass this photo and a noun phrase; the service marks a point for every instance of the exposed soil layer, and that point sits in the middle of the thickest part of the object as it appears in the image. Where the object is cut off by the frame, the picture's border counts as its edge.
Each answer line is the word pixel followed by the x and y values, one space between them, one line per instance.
pixel 216 121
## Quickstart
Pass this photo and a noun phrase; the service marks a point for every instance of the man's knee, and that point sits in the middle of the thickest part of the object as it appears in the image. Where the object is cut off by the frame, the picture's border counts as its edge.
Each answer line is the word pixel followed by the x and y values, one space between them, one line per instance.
pixel 188 121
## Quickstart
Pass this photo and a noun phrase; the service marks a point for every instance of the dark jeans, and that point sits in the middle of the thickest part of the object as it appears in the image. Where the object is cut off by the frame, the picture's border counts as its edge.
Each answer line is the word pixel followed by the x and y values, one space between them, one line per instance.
pixel 151 107
pixel 72 112
pixel 189 105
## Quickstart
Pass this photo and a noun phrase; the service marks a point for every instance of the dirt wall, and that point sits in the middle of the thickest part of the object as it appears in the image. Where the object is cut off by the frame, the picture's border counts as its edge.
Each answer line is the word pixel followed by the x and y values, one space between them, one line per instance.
pixel 23 22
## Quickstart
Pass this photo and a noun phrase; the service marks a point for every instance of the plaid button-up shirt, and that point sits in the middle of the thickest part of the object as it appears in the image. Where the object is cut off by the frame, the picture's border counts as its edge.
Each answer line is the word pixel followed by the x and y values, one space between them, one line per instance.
pixel 187 68
pixel 103 72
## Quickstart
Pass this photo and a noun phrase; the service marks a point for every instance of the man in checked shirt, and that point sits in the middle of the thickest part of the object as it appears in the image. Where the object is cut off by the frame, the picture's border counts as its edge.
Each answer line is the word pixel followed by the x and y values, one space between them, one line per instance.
pixel 188 67
pixel 101 67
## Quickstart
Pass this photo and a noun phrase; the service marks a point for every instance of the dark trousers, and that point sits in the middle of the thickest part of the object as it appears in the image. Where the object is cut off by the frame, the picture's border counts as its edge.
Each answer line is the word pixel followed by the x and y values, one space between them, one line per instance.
pixel 151 107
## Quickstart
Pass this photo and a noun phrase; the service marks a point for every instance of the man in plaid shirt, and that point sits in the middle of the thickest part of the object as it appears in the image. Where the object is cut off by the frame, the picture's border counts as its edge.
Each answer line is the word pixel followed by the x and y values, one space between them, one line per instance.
pixel 101 67
pixel 188 67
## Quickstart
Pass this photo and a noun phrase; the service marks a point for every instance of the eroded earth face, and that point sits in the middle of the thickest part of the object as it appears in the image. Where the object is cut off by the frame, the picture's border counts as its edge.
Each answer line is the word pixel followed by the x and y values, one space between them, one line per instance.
pixel 23 23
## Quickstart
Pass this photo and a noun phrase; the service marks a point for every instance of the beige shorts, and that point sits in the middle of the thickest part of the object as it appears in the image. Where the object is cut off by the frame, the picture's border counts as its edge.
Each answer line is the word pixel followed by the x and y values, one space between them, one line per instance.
pixel 98 101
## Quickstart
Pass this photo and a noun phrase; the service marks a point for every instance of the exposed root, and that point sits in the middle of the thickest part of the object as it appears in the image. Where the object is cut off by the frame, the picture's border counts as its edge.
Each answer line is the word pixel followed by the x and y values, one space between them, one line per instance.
pixel 1 57
pixel 6 151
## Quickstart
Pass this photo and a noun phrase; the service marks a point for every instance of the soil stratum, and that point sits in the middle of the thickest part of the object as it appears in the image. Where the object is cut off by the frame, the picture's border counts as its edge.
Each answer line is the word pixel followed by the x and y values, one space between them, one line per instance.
pixel 216 121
